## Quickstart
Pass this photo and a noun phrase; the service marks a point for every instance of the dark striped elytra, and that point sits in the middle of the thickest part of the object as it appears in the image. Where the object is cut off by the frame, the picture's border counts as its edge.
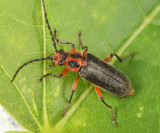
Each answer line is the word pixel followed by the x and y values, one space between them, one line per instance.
pixel 105 76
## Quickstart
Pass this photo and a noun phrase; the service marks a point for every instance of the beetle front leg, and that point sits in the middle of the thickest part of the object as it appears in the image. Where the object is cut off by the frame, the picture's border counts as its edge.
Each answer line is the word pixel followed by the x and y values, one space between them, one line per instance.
pixel 59 41
pixel 101 98
pixel 64 72
pixel 73 48
pixel 73 90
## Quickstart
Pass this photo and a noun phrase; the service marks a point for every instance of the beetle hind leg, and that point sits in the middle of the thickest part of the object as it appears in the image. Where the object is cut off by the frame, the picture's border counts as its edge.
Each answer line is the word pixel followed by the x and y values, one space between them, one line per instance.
pixel 101 98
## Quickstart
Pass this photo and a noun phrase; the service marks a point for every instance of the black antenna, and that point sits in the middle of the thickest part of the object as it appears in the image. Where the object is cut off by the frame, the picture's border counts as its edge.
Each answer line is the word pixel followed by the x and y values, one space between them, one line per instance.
pixel 51 33
pixel 41 59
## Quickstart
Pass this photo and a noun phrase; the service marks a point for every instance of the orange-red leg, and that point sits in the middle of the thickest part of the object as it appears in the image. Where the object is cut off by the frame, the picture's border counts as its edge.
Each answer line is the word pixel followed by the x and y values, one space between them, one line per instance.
pixel 73 90
pixel 108 58
pixel 64 72
pixel 73 48
pixel 101 98
pixel 75 83
pixel 85 51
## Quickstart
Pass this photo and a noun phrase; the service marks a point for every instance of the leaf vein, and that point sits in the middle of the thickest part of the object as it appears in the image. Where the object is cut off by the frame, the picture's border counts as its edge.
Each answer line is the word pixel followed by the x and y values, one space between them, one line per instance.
pixel 21 21
pixel 39 125
pixel 100 31
pixel 140 8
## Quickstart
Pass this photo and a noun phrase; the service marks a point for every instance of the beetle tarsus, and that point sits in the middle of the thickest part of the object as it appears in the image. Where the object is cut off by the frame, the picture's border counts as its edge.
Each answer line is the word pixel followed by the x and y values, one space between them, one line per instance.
pixel 113 116
pixel 50 74
pixel 59 42
pixel 63 115
pixel 131 55
pixel 68 103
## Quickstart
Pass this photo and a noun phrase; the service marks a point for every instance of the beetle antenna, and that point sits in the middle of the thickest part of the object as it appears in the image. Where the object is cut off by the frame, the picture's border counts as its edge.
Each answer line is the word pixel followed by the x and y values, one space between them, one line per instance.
pixel 31 61
pixel 51 33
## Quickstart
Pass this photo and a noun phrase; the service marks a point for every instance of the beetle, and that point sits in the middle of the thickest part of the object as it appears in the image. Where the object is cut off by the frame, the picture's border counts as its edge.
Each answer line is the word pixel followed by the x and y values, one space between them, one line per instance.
pixel 89 67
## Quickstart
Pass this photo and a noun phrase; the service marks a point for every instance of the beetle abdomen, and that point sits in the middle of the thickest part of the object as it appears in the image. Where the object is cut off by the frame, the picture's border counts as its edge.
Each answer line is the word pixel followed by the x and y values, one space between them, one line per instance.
pixel 105 76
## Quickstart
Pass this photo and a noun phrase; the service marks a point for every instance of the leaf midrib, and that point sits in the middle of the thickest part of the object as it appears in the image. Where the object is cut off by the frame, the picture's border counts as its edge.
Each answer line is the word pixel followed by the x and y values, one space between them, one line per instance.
pixel 45 116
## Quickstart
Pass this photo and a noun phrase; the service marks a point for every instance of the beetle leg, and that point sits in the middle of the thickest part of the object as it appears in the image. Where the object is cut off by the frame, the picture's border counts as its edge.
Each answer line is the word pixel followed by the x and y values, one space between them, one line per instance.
pixel 55 31
pixel 101 98
pixel 73 90
pixel 111 55
pixel 64 72
pixel 121 60
pixel 81 44
pixel 131 55
pixel 85 51
pixel 73 48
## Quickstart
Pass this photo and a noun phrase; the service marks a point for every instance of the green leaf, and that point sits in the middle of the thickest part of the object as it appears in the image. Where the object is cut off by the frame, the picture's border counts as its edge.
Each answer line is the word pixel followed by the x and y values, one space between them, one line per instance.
pixel 107 26
pixel 16 132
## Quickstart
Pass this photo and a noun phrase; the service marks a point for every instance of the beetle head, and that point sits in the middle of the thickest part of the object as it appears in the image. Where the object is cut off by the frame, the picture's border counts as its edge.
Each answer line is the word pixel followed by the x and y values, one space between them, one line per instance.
pixel 60 57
